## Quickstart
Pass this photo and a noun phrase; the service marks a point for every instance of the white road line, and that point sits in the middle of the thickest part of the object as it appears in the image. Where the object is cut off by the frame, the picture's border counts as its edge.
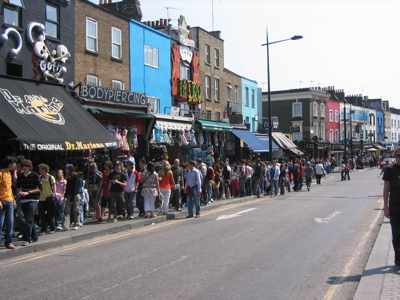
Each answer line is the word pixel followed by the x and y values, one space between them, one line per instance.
pixel 223 217
pixel 327 219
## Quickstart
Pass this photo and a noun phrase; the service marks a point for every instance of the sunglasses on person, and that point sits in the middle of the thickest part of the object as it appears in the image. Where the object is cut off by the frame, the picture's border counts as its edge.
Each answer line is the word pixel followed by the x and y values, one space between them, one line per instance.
pixel 25 166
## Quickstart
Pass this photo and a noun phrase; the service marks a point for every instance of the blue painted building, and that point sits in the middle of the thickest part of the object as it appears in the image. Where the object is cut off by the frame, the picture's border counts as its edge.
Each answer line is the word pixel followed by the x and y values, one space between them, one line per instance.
pixel 150 65
pixel 250 103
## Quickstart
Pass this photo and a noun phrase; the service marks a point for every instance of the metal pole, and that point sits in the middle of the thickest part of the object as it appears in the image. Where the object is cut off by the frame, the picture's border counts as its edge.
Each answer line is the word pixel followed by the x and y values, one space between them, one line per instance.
pixel 269 104
pixel 345 133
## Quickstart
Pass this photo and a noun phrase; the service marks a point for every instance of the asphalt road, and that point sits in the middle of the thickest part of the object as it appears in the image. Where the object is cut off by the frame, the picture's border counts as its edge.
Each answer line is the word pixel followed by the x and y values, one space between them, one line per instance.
pixel 304 245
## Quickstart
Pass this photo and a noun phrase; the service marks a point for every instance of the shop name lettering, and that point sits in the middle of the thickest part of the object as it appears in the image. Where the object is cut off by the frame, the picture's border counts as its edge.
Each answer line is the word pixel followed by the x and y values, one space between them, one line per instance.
pixel 98 93
pixel 36 105
pixel 69 146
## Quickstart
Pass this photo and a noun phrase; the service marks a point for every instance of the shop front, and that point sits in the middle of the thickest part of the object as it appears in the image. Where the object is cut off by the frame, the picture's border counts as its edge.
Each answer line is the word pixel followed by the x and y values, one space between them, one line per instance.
pixel 40 116
pixel 124 115
pixel 249 145
pixel 289 148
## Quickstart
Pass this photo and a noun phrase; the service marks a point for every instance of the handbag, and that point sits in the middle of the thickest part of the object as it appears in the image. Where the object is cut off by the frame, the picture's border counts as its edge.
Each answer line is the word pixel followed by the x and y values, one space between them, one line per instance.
pixel 158 202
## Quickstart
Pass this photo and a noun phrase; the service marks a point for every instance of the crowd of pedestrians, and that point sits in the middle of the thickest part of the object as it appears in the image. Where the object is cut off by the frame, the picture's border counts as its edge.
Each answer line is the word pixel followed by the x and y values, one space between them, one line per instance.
pixel 45 201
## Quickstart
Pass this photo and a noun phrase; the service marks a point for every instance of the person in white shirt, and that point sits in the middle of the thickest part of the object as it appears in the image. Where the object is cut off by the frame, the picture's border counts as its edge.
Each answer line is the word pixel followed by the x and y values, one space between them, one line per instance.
pixel 319 169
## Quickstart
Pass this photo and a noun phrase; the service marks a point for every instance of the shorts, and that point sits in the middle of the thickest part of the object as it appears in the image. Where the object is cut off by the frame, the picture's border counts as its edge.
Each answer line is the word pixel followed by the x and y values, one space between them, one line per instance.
pixel 105 201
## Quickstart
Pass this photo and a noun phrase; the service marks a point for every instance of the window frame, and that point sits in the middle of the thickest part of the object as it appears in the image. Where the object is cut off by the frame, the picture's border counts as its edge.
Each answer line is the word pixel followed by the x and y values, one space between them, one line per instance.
pixel 229 92
pixel 216 89
pixel 331 115
pixel 95 77
pixel 118 45
pixel 336 116
pixel 114 81
pixel 216 57
pixel 236 94
pixel 56 23
pixel 300 114
pixel 207 55
pixel 208 87
pixel 297 136
pixel 322 110
pixel 16 12
pixel 247 96
pixel 154 104
pixel 151 53
pixel 315 109
pixel 95 38
pixel 253 98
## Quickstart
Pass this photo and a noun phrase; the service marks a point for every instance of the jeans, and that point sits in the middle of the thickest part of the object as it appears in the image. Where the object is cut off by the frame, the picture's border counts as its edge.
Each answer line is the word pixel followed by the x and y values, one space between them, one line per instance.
pixel 130 203
pixel 395 224
pixel 282 184
pixel 318 178
pixel 7 218
pixel 242 187
pixel 196 199
pixel 308 181
pixel 248 186
pixel 117 203
pixel 28 209
pixel 60 214
pixel 20 214
pixel 274 187
pixel 255 186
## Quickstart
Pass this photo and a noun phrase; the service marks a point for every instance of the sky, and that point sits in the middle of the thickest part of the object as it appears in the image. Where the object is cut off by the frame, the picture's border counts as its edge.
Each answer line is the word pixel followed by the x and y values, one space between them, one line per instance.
pixel 352 45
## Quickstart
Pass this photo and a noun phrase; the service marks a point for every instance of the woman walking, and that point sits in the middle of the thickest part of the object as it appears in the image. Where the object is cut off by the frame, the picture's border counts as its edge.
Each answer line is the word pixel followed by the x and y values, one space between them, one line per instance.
pixel 150 190
pixel 167 183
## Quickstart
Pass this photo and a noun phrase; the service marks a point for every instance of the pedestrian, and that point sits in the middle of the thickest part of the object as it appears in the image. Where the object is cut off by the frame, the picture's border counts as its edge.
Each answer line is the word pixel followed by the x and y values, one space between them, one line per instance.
pixel 257 168
pixel 150 189
pixel 29 186
pixel 61 184
pixel 139 197
pixel 308 174
pixel 74 194
pixel 243 172
pixel 193 190
pixel 93 182
pixel 273 174
pixel 391 203
pixel 319 169
pixel 226 176
pixel 104 195
pixel 282 178
pixel 131 189
pixel 7 203
pixel 166 185
pixel 116 192
pixel 179 184
pixel 235 181
pixel 47 211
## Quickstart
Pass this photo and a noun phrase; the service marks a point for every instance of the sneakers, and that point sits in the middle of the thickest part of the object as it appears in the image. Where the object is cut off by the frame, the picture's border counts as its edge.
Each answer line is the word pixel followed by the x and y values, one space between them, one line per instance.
pixel 114 220
pixel 41 233
pixel 25 243
pixel 189 216
pixel 10 246
pixel 130 217
pixel 75 228
pixel 51 232
pixel 59 228
pixel 119 218
pixel 197 216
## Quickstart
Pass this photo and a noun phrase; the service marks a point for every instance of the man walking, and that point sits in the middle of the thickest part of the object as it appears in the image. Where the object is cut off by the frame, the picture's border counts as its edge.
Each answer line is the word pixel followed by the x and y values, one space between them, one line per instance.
pixel 132 184
pixel 273 173
pixel 179 184
pixel 116 191
pixel 193 189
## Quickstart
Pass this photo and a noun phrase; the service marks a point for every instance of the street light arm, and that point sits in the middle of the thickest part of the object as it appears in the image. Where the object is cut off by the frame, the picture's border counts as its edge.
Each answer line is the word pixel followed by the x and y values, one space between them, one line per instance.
pixel 293 38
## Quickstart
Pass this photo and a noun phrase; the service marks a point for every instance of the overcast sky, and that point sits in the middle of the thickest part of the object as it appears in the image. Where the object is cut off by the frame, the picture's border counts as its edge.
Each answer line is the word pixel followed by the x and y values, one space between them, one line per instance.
pixel 352 45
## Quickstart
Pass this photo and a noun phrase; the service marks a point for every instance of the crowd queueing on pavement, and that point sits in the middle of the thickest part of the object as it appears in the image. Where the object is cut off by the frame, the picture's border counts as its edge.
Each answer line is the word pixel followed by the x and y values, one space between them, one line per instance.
pixel 37 201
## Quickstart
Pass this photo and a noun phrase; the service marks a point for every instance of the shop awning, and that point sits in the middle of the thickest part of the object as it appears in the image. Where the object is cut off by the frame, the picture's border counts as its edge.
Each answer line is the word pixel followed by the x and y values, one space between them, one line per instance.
pixel 212 125
pixel 265 139
pixel 113 111
pixel 173 122
pixel 45 117
pixel 251 140
pixel 378 146
pixel 285 143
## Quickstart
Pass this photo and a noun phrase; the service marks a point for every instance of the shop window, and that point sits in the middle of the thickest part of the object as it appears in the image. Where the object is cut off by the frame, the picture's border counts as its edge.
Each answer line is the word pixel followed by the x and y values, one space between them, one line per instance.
pixel 91 35
pixel 151 56
pixel 52 20
pixel 116 43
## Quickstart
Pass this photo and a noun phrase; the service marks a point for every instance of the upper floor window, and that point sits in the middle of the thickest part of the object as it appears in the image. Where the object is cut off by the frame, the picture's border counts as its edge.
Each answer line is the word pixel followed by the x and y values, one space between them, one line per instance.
pixel 185 70
pixel 207 54
pixel 253 98
pixel 322 110
pixel 314 109
pixel 116 48
pixel 236 93
pixel 52 20
pixel 208 87
pixel 216 58
pixel 154 104
pixel 247 95
pixel 117 85
pixel 11 15
pixel 151 56
pixel 229 91
pixel 91 35
pixel 216 89
pixel 19 3
pixel 297 110
pixel 336 116
pixel 330 115
pixel 92 80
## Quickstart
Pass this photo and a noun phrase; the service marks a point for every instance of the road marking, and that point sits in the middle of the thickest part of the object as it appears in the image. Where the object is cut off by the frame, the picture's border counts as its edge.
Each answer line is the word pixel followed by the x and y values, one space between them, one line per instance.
pixel 238 214
pixel 347 268
pixel 327 219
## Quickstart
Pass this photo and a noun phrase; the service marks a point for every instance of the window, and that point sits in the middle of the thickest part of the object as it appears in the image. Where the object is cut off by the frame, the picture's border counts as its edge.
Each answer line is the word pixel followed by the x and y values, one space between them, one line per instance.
pixel 92 80
pixel 314 109
pixel 208 87
pixel 52 20
pixel 19 3
pixel 229 92
pixel 298 136
pixel 330 115
pixel 151 56
pixel 337 140
pixel 116 48
pixel 322 110
pixel 253 98
pixel 216 89
pixel 11 16
pixel 117 85
pixel 153 104
pixel 216 58
pixel 217 116
pixel 322 131
pixel 185 70
pixel 91 35
pixel 207 54
pixel 247 96
pixel 236 94
pixel 207 114
pixel 331 136
pixel 297 109
pixel 315 129
pixel 336 116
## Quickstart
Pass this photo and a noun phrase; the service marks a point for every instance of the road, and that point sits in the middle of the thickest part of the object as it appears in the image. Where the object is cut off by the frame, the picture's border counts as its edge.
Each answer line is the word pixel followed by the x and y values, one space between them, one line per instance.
pixel 304 245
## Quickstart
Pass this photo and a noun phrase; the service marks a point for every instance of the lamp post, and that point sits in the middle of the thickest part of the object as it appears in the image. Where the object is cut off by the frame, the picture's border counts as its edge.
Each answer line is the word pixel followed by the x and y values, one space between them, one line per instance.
pixel 293 38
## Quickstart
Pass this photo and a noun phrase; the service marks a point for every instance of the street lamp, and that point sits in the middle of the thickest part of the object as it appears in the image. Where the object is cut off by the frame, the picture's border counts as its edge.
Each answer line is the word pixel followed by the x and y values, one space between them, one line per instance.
pixel 295 37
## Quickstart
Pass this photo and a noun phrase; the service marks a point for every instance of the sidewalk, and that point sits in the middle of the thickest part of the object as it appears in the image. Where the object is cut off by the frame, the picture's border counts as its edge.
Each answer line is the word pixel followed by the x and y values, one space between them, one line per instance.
pixel 92 229
pixel 380 279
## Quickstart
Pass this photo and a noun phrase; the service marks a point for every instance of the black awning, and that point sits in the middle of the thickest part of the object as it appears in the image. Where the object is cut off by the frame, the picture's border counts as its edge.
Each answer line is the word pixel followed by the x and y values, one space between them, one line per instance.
pixel 45 117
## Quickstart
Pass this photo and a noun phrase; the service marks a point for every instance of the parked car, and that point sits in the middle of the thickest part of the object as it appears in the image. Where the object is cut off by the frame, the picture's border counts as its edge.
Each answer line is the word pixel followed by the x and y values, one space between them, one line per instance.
pixel 383 162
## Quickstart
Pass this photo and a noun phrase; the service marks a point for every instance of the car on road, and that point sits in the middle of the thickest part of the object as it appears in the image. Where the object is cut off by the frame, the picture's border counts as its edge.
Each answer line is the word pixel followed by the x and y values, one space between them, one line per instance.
pixel 383 162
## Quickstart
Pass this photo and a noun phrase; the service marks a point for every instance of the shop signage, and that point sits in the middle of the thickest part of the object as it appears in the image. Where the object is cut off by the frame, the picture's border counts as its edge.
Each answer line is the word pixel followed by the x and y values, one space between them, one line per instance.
pixel 184 37
pixel 110 95
pixel 68 145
